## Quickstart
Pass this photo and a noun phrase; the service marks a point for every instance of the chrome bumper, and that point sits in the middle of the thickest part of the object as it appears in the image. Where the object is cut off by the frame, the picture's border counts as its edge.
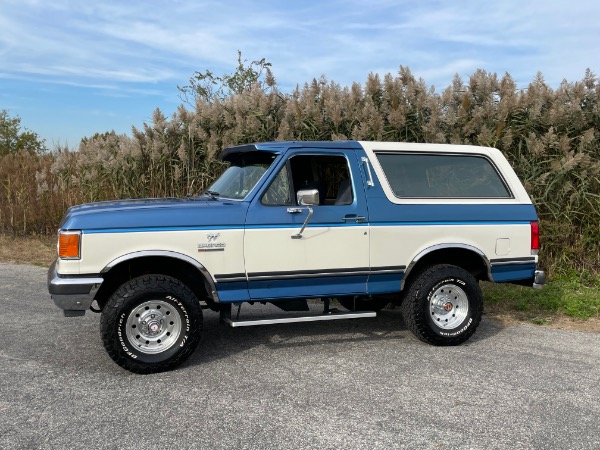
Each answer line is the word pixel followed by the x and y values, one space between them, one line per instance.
pixel 73 295
pixel 539 279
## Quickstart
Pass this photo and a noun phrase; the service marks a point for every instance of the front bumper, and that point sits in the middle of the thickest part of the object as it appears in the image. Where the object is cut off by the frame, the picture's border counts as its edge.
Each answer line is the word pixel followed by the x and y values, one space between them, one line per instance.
pixel 74 295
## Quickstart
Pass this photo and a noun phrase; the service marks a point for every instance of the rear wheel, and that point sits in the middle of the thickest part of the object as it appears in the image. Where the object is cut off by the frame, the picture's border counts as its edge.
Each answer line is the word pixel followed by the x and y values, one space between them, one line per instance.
pixel 151 324
pixel 443 305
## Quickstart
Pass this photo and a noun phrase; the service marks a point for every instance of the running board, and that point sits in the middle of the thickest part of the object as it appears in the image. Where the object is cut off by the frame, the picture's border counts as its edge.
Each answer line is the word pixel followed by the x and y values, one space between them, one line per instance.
pixel 336 316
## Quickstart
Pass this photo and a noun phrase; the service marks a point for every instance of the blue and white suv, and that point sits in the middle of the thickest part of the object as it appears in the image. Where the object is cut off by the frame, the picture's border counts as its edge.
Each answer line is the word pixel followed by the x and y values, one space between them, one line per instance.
pixel 365 223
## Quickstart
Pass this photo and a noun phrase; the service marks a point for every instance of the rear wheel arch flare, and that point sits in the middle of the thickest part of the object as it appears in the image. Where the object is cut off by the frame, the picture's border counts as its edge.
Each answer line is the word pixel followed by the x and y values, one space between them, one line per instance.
pixel 466 256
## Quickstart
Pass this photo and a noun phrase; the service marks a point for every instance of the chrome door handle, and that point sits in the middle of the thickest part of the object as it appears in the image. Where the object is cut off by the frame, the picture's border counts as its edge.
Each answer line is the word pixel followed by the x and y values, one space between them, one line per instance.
pixel 357 219
pixel 294 210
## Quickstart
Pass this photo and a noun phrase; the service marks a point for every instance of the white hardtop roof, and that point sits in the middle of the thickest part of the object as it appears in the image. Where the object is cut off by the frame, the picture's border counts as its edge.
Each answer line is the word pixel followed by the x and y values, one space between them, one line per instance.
pixel 420 147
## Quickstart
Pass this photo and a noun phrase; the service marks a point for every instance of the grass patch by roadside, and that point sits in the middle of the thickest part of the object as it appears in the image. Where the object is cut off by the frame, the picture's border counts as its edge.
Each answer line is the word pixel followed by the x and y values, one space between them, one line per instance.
pixel 566 294
pixel 571 300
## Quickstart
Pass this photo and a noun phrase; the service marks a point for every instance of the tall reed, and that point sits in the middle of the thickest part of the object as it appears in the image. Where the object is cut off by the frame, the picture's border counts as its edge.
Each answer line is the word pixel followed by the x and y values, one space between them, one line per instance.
pixel 551 137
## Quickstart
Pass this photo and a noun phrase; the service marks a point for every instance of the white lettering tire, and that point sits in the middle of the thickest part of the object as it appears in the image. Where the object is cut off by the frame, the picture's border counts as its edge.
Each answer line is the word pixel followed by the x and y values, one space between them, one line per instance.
pixel 151 324
pixel 443 305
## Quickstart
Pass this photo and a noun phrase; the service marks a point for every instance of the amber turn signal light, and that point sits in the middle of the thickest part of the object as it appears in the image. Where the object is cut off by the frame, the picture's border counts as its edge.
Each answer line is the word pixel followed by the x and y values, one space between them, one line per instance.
pixel 69 244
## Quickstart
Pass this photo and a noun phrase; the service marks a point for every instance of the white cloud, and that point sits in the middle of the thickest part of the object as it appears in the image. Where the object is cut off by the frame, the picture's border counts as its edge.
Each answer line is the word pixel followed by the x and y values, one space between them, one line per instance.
pixel 143 47
pixel 147 42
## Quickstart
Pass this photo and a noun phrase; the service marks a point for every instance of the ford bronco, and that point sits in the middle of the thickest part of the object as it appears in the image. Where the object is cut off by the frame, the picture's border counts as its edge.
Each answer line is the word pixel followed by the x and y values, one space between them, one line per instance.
pixel 361 223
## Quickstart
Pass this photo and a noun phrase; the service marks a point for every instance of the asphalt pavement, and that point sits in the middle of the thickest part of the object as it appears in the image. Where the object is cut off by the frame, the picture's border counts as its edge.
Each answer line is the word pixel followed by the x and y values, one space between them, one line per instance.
pixel 347 384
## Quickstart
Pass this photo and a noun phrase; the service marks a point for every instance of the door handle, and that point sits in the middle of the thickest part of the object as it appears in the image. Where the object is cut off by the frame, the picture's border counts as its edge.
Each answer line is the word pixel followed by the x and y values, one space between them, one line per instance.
pixel 294 210
pixel 353 217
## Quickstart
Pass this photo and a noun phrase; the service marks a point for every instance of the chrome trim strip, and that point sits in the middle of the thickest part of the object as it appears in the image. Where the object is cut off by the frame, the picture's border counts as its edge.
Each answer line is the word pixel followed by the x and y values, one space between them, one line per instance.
pixel 306 275
pixel 365 160
pixel 264 276
pixel 513 262
pixel 446 246
pixel 231 279
pixel 353 271
pixel 169 254
pixel 250 323
pixel 380 270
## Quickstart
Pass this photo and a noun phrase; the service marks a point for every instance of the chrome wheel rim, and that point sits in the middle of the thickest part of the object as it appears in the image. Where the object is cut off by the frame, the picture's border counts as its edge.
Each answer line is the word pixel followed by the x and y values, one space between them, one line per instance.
pixel 153 326
pixel 449 306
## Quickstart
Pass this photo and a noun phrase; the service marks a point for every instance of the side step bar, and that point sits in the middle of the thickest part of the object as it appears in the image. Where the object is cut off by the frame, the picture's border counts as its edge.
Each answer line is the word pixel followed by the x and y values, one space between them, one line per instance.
pixel 336 316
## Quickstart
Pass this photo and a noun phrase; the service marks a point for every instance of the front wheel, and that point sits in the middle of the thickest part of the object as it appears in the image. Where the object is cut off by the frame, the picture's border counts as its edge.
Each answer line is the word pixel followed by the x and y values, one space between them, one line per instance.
pixel 443 306
pixel 151 324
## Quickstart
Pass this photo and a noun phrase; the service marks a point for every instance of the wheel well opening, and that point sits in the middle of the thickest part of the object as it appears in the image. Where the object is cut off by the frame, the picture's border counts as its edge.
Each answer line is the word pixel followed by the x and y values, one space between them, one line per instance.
pixel 469 260
pixel 173 267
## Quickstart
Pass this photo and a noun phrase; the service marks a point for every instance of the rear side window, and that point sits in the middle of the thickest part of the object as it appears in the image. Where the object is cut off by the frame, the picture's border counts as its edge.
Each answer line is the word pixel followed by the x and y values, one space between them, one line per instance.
pixel 442 176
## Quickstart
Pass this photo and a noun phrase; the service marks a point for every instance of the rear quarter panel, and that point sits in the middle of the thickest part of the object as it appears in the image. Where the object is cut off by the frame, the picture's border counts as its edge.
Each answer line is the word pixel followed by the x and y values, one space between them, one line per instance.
pixel 403 229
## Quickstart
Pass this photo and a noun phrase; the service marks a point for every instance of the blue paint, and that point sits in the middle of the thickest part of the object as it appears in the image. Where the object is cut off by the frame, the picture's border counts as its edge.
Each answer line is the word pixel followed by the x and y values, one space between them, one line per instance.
pixel 480 223
pixel 158 229
pixel 164 215
pixel 260 215
pixel 329 286
pixel 512 272
pixel 282 146
pixel 384 283
pixel 290 227
pixel 382 212
pixel 235 291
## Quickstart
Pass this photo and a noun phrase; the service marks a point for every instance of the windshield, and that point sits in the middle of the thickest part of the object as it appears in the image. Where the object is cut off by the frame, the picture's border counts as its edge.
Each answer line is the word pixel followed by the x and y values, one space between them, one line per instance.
pixel 243 174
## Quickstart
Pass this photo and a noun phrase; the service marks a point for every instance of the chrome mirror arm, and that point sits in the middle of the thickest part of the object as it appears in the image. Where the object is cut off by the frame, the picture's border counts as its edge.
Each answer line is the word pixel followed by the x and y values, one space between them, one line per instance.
pixel 299 235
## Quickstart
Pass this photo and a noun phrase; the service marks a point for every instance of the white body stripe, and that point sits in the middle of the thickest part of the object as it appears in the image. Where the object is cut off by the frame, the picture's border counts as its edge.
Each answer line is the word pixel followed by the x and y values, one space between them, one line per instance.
pixel 96 254
pixel 395 245
pixel 274 250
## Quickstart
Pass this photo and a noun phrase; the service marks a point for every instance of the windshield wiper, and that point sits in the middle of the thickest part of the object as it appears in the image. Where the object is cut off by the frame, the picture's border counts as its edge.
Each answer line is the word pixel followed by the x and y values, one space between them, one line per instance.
pixel 213 194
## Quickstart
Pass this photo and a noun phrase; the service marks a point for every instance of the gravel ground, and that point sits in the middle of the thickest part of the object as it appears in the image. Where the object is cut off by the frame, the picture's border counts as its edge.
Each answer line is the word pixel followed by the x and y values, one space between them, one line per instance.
pixel 358 384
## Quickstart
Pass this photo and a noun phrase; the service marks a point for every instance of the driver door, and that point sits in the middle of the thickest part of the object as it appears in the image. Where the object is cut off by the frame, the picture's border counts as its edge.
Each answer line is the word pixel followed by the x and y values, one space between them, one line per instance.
pixel 331 257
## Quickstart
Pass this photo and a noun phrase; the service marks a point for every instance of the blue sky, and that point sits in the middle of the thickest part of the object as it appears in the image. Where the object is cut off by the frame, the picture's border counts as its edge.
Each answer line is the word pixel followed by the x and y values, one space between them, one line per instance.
pixel 72 68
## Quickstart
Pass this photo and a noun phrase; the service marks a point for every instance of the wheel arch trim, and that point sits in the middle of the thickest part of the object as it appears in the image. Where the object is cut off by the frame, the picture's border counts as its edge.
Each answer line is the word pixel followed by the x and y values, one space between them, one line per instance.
pixel 447 246
pixel 168 254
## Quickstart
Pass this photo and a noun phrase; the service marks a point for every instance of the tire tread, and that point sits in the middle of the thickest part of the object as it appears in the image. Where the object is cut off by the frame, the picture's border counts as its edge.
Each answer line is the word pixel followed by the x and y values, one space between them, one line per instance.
pixel 148 283
pixel 413 304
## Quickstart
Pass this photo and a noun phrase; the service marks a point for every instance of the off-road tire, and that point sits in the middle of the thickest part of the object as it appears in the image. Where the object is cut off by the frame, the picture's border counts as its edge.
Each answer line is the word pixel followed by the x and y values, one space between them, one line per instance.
pixel 443 305
pixel 151 324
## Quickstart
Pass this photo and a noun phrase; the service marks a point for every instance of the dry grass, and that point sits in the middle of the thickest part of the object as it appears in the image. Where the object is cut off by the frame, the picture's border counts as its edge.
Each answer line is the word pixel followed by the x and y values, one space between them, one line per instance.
pixel 550 136
pixel 35 250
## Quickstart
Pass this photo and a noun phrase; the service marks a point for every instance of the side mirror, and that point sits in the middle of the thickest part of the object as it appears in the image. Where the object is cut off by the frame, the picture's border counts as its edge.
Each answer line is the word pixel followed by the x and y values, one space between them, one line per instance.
pixel 308 197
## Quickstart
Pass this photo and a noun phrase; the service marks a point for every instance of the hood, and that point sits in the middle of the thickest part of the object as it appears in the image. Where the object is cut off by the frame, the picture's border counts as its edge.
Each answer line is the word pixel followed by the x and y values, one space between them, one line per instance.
pixel 154 214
